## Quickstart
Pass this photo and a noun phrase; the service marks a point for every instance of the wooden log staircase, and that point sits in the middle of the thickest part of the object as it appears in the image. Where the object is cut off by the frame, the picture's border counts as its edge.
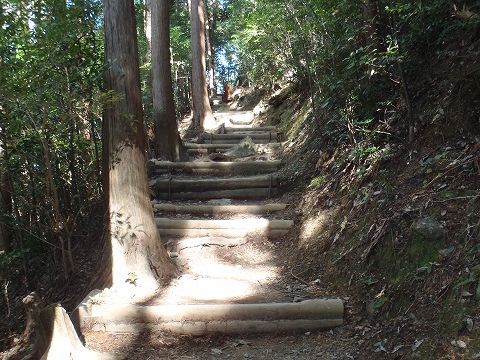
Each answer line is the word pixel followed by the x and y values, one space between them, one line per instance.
pixel 209 203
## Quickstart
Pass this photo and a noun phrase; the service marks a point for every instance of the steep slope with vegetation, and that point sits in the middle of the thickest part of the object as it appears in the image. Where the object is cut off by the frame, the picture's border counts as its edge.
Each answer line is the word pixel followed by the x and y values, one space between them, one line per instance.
pixel 388 216
pixel 383 162
pixel 394 229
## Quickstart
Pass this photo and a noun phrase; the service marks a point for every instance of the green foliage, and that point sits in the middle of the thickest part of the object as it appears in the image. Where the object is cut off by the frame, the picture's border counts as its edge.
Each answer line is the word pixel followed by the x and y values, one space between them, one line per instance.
pixel 357 67
pixel 51 74
pixel 9 260
pixel 131 278
pixel 318 181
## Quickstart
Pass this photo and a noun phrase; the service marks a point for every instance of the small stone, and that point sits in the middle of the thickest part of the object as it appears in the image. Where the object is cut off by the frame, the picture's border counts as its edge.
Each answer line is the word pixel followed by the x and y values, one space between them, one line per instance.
pixel 297 299
pixel 476 269
pixel 244 148
pixel 469 324
pixel 429 229
pixel 417 344
pixel 459 343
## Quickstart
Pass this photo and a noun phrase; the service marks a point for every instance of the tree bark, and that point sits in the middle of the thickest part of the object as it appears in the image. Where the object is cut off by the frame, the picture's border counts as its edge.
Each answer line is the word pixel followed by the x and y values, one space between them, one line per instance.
pixel 202 112
pixel 133 244
pixel 147 26
pixel 210 26
pixel 168 145
pixel 369 11
pixel 148 101
pixel 5 200
pixel 57 339
pixel 5 210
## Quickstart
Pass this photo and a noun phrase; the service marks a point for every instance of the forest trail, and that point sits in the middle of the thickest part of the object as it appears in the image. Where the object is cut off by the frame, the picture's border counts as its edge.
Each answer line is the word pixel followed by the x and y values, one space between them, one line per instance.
pixel 222 220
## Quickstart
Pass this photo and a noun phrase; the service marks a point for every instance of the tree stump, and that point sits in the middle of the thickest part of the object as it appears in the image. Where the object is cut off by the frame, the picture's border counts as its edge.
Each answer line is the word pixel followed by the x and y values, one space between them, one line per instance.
pixel 57 339
pixel 32 304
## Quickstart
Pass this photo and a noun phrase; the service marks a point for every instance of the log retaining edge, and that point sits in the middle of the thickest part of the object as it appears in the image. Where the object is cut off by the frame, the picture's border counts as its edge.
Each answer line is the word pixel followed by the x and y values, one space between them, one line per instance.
pixel 201 319
pixel 217 209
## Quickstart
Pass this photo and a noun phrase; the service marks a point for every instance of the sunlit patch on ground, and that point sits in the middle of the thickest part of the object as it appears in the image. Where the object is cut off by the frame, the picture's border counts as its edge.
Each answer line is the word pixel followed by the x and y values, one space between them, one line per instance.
pixel 232 119
pixel 312 227
pixel 221 275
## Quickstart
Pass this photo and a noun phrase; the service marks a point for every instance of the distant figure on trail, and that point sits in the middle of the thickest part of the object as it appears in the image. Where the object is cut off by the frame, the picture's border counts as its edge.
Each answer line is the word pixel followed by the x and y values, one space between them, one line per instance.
pixel 227 93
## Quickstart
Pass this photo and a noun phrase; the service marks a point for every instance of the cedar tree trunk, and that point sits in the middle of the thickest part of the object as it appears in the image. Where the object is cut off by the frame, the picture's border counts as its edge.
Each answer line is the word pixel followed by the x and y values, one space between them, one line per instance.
pixel 133 248
pixel 369 11
pixel 210 25
pixel 202 112
pixel 168 145
pixel 5 200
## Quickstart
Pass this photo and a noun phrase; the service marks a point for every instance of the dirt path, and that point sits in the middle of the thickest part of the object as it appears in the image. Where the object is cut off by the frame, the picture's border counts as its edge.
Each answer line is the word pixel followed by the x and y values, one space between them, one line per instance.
pixel 227 253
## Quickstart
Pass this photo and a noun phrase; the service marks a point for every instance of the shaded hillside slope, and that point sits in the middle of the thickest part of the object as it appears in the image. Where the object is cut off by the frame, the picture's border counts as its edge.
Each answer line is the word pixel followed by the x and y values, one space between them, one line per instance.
pixel 392 224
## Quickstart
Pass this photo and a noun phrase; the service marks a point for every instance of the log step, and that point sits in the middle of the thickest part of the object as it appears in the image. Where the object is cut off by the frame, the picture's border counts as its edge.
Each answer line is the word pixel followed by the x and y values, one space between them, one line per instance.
pixel 248 193
pixel 172 184
pixel 218 209
pixel 204 319
pixel 227 233
pixel 203 149
pixel 199 328
pixel 223 228
pixel 251 224
pixel 233 130
pixel 251 187
pixel 203 152
pixel 207 146
pixel 236 141
pixel 159 167
pixel 225 146
pixel 238 137
pixel 234 137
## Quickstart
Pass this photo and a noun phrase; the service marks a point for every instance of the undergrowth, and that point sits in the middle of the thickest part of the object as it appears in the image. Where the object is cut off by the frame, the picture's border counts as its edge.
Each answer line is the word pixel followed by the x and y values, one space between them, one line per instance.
pixel 362 197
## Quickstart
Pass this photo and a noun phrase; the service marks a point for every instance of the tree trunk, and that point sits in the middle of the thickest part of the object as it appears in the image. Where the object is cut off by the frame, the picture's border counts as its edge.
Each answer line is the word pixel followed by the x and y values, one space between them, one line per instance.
pixel 202 112
pixel 57 339
pixel 5 200
pixel 147 26
pixel 5 211
pixel 369 11
pixel 133 245
pixel 148 102
pixel 168 145
pixel 210 26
